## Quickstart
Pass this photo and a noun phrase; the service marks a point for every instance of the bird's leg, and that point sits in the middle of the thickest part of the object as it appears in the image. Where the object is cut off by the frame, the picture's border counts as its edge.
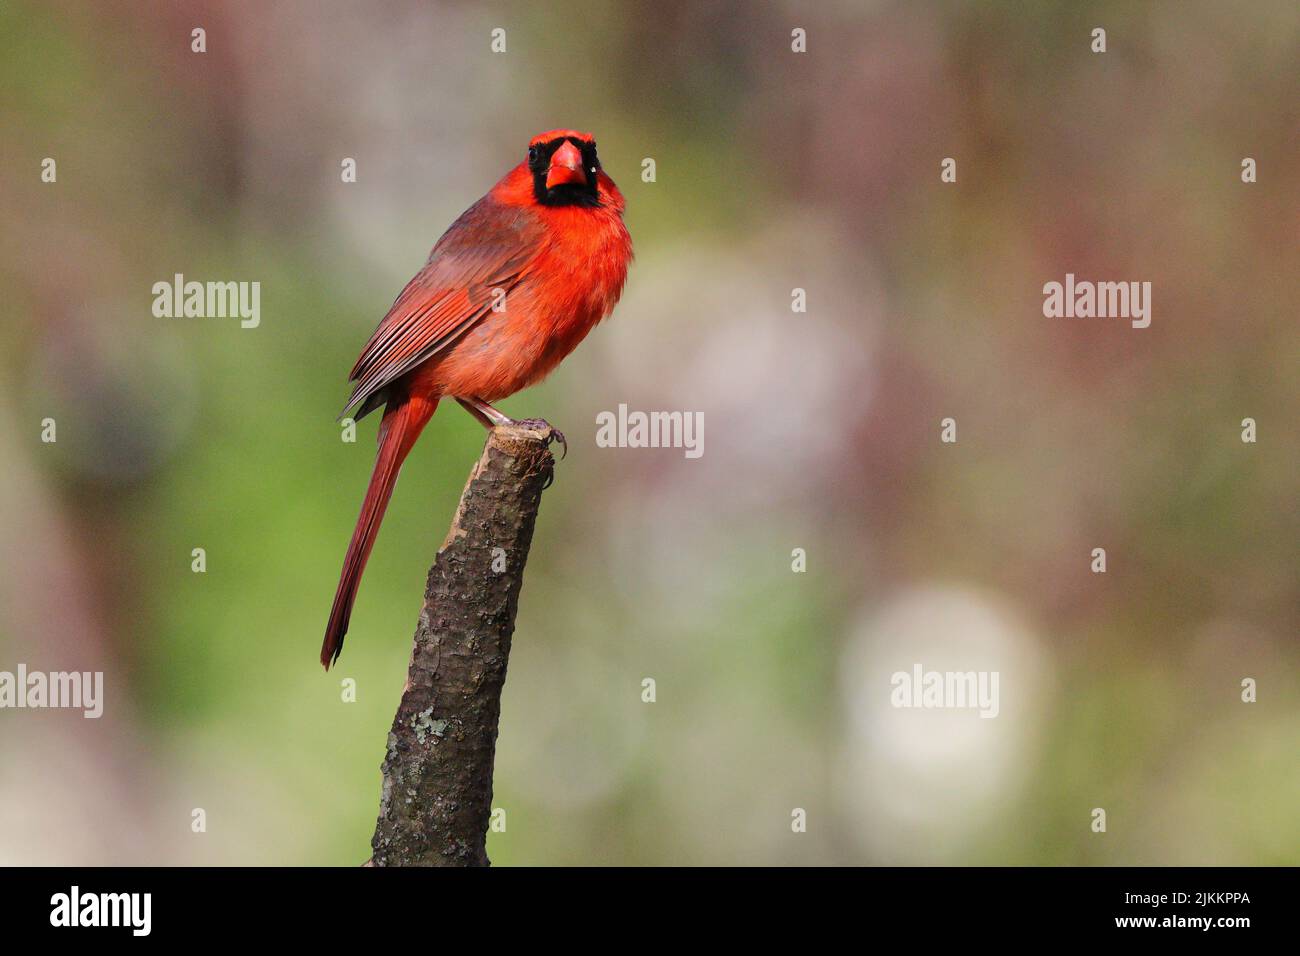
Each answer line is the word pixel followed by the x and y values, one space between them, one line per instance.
pixel 481 416
pixel 490 417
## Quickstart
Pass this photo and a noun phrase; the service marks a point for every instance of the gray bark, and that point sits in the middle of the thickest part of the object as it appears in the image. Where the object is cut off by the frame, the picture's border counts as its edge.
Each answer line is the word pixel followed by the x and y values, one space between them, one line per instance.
pixel 437 773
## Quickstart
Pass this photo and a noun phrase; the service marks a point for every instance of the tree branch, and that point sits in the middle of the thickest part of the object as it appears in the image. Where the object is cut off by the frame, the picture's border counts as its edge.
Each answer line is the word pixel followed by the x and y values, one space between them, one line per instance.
pixel 437 786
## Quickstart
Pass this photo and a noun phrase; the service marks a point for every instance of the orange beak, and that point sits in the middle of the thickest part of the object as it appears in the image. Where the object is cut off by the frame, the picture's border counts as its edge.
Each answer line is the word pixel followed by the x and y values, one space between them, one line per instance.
pixel 566 167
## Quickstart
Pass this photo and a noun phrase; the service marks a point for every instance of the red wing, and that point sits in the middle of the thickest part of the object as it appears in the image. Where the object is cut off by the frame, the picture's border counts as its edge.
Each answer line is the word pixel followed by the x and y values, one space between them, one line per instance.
pixel 489 247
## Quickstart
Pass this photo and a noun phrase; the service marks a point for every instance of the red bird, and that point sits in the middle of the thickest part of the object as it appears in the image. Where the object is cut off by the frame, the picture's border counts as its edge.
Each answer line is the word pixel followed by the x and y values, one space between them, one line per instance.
pixel 509 290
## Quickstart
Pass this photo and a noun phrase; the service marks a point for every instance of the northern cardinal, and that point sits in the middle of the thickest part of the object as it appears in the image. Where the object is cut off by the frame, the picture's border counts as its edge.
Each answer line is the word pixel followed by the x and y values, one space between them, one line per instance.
pixel 509 290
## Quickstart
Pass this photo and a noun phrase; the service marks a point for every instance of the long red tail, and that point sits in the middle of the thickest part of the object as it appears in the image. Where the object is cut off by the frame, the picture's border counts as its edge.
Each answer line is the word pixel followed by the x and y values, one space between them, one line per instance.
pixel 404 419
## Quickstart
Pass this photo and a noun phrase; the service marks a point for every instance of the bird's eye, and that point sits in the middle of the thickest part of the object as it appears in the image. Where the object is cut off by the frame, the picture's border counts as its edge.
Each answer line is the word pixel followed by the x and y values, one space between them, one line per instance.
pixel 532 155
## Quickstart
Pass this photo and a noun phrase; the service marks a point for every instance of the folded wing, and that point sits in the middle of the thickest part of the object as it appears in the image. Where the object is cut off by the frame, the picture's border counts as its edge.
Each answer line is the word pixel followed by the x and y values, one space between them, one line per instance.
pixel 490 247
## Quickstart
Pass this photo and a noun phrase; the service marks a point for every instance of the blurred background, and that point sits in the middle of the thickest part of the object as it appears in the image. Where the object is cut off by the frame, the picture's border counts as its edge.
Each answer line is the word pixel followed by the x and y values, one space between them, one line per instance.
pixel 774 171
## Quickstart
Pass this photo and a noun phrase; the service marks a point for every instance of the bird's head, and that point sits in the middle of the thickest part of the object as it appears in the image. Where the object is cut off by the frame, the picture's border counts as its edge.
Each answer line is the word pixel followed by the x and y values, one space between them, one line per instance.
pixel 565 168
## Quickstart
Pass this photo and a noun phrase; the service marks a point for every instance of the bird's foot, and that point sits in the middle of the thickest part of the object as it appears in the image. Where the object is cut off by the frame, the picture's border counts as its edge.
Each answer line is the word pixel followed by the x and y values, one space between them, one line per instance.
pixel 552 433
pixel 490 417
